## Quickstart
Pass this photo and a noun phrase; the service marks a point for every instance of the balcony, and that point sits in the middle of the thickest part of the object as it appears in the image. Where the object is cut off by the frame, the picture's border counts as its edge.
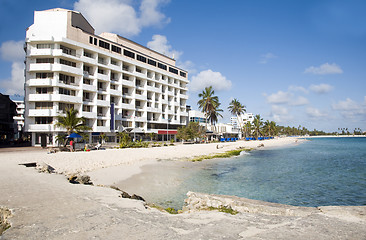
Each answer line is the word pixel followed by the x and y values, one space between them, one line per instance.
pixel 40 66
pixel 127 83
pixel 43 113
pixel 42 82
pixel 115 92
pixel 67 69
pixel 183 96
pixel 103 77
pixel 87 74
pixel 41 52
pixel 141 97
pixel 184 114
pixel 140 119
pixel 40 127
pixel 103 103
pixel 102 129
pixel 90 88
pixel 127 106
pixel 89 114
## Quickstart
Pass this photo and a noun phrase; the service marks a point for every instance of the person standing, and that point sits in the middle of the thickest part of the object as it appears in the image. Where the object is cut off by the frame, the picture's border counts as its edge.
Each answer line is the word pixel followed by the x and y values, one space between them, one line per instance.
pixel 71 145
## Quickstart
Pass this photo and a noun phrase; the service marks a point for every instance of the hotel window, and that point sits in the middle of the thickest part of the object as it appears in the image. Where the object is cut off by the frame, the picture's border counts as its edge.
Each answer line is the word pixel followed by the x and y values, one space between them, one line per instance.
pixel 44 75
pixel 100 123
pixel 67 50
pixel 162 66
pixel 101 97
pixel 116 49
pixel 151 62
pixel 65 91
pixel 114 87
pixel 44 60
pixel 125 77
pixel 68 63
pixel 87 81
pixel 173 70
pixel 48 90
pixel 95 41
pixel 87 108
pixel 183 74
pixel 44 120
pixel 86 97
pixel 101 71
pixel 45 46
pixel 141 58
pixel 114 62
pixel 44 105
pixel 88 54
pixel 128 53
pixel 90 39
pixel 103 44
pixel 65 106
pixel 66 79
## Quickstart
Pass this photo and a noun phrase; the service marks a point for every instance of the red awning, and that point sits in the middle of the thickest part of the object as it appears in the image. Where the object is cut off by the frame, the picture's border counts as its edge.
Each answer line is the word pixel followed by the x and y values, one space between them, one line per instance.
pixel 169 132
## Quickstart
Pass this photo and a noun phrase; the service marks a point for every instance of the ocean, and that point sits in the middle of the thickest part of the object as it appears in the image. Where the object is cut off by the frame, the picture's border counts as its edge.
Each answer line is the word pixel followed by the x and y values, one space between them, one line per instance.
pixel 317 172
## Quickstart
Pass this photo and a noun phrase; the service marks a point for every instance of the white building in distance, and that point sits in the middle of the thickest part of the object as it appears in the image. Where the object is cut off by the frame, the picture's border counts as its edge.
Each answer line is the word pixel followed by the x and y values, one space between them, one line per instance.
pixel 19 118
pixel 243 119
pixel 114 83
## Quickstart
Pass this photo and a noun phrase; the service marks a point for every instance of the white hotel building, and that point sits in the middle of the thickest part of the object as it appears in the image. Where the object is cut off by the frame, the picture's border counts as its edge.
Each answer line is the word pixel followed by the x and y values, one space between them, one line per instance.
pixel 114 83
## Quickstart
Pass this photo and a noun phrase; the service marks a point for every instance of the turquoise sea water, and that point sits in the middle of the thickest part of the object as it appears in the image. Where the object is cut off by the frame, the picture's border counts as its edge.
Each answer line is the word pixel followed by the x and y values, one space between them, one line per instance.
pixel 319 172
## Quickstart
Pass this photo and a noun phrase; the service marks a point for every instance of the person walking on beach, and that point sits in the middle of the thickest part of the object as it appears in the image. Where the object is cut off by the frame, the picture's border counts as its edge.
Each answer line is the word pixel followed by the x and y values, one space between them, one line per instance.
pixel 71 145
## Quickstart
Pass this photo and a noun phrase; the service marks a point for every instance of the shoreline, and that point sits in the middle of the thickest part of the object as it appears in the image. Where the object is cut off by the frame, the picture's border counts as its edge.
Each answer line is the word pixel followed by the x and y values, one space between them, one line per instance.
pixel 48 206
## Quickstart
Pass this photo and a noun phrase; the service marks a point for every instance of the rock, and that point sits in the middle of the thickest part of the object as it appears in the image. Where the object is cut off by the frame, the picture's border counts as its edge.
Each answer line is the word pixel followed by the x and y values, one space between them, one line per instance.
pixel 84 179
pixel 77 179
pixel 125 195
pixel 4 215
pixel 43 167
pixel 137 197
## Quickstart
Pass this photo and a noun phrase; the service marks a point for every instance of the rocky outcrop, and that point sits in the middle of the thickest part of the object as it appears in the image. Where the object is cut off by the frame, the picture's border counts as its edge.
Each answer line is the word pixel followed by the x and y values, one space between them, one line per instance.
pixel 4 215
pixel 200 201
pixel 43 167
pixel 80 179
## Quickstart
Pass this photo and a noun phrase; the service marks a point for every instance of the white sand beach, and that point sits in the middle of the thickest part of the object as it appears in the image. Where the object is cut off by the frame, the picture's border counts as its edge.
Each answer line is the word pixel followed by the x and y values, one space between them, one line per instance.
pixel 47 206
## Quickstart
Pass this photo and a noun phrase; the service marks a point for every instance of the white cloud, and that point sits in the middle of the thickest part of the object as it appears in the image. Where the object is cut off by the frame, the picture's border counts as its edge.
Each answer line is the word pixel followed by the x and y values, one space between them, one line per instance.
pixel 209 78
pixel 321 88
pixel 12 51
pixel 120 16
pixel 14 85
pixel 350 109
pixel 279 98
pixel 160 44
pixel 324 69
pixel 315 113
pixel 280 114
pixel 299 101
pixel 266 57
pixel 297 89
pixel 188 66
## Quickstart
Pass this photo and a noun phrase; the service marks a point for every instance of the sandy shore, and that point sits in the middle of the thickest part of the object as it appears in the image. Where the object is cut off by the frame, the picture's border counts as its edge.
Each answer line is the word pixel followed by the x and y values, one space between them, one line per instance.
pixel 107 167
pixel 46 206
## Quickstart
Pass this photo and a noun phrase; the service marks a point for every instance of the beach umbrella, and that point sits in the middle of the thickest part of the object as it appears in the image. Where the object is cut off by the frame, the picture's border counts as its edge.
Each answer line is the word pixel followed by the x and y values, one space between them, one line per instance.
pixel 74 135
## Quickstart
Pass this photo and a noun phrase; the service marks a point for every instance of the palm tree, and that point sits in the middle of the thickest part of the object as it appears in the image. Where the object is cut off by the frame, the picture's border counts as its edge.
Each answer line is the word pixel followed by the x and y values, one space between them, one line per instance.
pixel 209 104
pixel 71 122
pixel 257 122
pixel 269 127
pixel 215 114
pixel 248 127
pixel 236 108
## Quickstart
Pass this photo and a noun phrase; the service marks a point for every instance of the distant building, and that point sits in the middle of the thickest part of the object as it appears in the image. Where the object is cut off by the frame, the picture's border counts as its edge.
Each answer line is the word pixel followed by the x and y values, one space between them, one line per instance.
pixel 197 116
pixel 7 112
pixel 114 83
pixel 19 118
pixel 243 119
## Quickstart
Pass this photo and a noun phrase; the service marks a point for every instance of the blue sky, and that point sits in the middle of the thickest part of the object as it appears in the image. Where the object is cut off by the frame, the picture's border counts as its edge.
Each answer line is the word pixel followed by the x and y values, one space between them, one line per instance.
pixel 294 62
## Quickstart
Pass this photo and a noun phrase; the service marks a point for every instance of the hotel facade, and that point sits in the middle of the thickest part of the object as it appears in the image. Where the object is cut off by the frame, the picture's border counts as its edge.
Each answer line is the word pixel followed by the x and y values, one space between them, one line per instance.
pixel 114 83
